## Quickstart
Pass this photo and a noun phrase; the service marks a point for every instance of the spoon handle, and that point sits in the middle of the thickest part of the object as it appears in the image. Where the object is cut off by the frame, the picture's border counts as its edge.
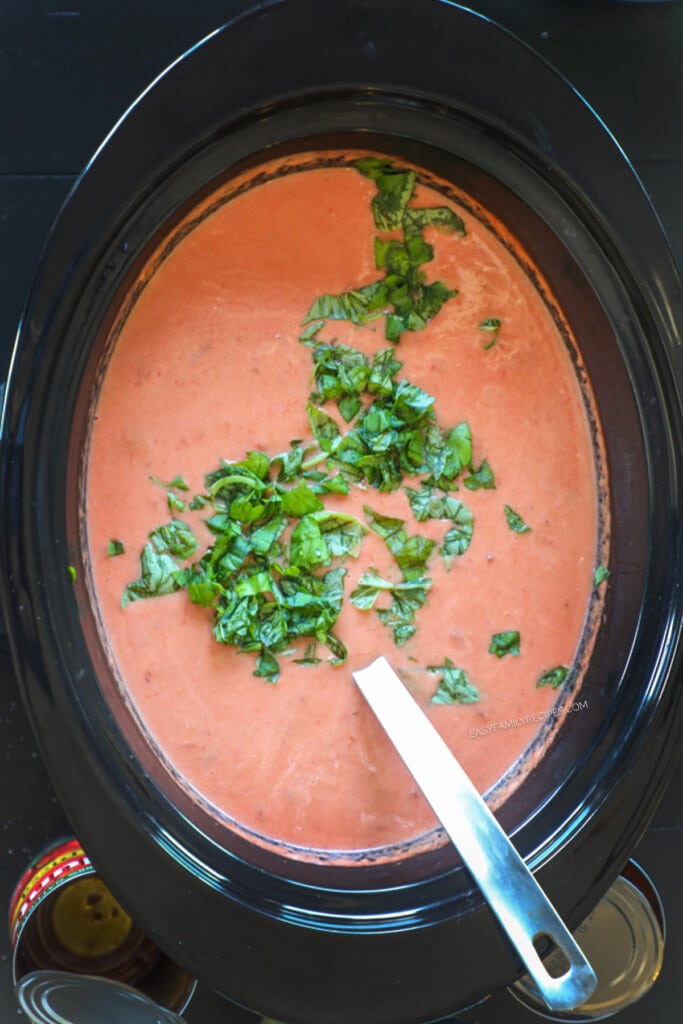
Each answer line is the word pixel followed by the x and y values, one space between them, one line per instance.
pixel 508 886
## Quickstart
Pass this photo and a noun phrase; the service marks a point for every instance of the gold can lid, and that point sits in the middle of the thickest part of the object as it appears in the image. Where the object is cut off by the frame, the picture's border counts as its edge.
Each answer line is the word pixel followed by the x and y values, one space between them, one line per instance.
pixel 623 940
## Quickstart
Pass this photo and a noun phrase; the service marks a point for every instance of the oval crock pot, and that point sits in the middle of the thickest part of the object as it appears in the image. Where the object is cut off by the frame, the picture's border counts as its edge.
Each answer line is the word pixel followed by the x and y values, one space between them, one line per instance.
pixel 449 90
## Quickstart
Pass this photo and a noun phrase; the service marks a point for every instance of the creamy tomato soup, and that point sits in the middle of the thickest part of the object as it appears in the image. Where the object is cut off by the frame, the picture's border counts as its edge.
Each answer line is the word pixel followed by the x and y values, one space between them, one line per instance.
pixel 482 618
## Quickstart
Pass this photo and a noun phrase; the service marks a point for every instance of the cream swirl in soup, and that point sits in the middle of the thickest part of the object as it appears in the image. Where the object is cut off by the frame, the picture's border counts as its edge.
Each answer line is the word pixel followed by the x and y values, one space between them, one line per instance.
pixel 338 420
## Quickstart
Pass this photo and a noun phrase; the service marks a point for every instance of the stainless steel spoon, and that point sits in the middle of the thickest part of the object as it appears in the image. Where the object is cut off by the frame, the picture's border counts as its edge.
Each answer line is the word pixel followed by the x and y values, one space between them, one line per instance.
pixel 508 886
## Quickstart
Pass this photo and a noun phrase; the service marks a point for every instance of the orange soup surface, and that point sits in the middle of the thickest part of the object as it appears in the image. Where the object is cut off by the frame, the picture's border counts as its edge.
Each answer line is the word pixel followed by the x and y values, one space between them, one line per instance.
pixel 473 579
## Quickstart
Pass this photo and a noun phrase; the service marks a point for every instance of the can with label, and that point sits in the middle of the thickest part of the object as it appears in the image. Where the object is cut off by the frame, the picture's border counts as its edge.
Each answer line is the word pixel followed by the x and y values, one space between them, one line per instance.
pixel 63 918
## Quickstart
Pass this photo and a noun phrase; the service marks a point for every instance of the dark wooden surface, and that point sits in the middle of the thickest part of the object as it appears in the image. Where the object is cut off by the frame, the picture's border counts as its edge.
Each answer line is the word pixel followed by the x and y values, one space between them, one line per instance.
pixel 67 72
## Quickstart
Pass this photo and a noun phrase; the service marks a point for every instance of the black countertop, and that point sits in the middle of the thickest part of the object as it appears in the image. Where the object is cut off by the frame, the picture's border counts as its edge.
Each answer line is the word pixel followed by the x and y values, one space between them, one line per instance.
pixel 67 72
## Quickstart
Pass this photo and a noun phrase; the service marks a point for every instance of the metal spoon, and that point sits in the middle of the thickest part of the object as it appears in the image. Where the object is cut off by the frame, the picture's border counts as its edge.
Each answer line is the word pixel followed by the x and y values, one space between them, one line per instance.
pixel 508 886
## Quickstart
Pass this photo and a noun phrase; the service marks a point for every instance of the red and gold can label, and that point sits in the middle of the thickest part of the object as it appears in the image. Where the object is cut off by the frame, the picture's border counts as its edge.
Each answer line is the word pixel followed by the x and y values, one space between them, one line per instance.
pixel 63 918
pixel 55 867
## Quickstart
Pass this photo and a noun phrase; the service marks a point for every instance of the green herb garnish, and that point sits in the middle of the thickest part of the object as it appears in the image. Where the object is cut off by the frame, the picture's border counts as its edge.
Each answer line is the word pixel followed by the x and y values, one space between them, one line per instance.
pixel 178 483
pixel 601 574
pixel 403 296
pixel 410 553
pixel 114 548
pixel 492 327
pixel 515 521
pixel 553 677
pixel 454 686
pixel 505 643
pixel 271 577
pixel 407 597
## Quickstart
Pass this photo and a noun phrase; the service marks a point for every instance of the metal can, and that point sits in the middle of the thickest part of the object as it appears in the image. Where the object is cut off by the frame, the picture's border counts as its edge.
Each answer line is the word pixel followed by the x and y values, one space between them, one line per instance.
pixel 62 917
pixel 623 939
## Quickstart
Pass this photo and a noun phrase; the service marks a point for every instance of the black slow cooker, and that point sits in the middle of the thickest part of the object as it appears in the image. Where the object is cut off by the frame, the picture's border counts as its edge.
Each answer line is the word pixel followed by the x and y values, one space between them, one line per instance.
pixel 448 90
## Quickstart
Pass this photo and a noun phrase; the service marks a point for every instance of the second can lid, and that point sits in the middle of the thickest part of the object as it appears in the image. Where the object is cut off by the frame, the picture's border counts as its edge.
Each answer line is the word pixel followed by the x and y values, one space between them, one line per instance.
pixel 58 997
pixel 623 939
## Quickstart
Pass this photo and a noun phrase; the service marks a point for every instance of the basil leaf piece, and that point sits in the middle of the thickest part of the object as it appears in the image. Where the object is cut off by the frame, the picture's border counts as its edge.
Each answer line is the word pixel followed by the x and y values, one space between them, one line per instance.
pixel 300 500
pixel 373 167
pixel 490 326
pixel 202 586
pixel 454 686
pixel 307 546
pixel 158 576
pixel 115 548
pixel 336 648
pixel 370 586
pixel 505 643
pixel 310 656
pixel 410 553
pixel 325 430
pixel 340 372
pixel 337 484
pixel 480 479
pixel 407 598
pixel 174 538
pixel 175 504
pixel 601 574
pixel 394 190
pixel 411 404
pixel 515 521
pixel 359 305
pixel 267 667
pixel 341 532
pixel 415 219
pixel 553 677
pixel 458 539
pixel 309 334
pixel 384 368
pixel 178 483
pixel 425 504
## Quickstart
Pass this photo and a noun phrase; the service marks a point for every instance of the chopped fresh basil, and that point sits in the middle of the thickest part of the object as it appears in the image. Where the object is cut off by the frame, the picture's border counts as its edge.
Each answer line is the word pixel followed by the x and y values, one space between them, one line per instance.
pixel 553 677
pixel 601 574
pixel 394 190
pixel 457 540
pixel 407 597
pixel 492 327
pixel 114 548
pixel 325 430
pixel 442 217
pixel 515 521
pixel 342 532
pixel 300 500
pixel 178 483
pixel 425 504
pixel 175 504
pixel 174 538
pixel 403 296
pixel 270 577
pixel 480 479
pixel 267 667
pixel 310 656
pixel 310 333
pixel 159 574
pixel 505 643
pixel 342 373
pixel 454 686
